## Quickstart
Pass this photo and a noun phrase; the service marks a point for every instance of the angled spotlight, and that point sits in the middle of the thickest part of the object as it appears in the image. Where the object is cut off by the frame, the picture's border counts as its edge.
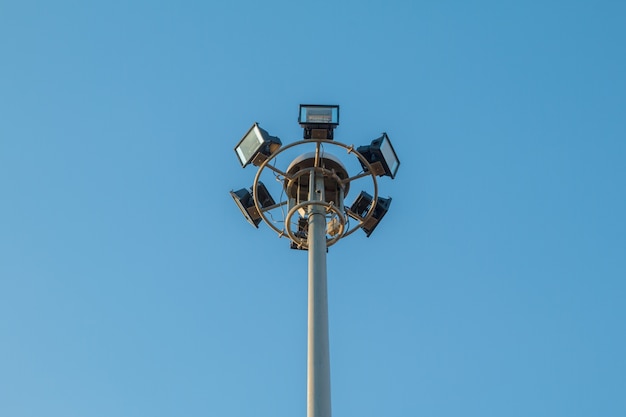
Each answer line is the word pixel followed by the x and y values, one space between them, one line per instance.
pixel 256 146
pixel 381 156
pixel 362 205
pixel 303 228
pixel 245 202
pixel 318 121
pixel 265 199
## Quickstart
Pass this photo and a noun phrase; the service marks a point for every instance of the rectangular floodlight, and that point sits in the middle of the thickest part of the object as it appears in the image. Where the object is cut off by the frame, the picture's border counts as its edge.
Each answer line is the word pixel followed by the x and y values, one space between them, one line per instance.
pixel 245 201
pixel 256 142
pixel 381 156
pixel 362 205
pixel 318 115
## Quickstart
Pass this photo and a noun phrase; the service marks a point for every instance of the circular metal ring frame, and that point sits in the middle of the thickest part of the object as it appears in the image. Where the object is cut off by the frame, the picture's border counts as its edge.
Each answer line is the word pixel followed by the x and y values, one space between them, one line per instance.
pixel 318 142
pixel 329 207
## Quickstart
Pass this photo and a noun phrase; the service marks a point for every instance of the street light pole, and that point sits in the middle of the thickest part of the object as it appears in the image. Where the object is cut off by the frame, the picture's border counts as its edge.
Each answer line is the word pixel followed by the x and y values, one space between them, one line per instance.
pixel 318 355
pixel 316 216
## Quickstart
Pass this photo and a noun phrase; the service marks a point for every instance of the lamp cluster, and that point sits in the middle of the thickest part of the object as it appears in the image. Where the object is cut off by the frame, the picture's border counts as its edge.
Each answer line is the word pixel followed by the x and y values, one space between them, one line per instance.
pixel 259 148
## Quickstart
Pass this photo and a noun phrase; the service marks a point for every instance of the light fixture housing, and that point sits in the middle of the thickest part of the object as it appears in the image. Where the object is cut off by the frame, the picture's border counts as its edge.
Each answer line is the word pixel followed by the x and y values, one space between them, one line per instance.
pixel 381 156
pixel 302 233
pixel 362 205
pixel 256 146
pixel 318 121
pixel 244 200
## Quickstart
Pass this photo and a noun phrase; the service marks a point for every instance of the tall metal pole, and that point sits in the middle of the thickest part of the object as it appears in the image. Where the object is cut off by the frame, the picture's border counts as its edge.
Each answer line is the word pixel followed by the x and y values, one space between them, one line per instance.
pixel 318 356
pixel 326 172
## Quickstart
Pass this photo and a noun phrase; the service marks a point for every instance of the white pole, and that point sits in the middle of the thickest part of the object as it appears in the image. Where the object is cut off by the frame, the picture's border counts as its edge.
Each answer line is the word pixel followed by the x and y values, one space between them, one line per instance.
pixel 318 357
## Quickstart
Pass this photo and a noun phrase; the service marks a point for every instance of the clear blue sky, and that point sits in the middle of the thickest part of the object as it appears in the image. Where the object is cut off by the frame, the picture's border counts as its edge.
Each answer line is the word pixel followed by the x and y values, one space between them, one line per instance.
pixel 130 284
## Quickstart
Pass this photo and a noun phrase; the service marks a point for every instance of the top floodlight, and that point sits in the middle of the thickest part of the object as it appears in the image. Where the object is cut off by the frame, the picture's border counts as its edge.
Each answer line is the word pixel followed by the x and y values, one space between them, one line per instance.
pixel 256 146
pixel 318 121
pixel 381 156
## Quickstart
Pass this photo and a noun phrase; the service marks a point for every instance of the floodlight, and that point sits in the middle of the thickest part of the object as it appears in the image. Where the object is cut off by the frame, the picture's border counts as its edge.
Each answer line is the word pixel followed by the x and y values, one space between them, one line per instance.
pixel 245 202
pixel 256 146
pixel 362 205
pixel 381 156
pixel 318 120
pixel 302 233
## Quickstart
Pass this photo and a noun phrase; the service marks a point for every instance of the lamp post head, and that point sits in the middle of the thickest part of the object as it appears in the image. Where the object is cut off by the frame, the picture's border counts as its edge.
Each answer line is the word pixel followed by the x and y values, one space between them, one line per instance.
pixel 315 182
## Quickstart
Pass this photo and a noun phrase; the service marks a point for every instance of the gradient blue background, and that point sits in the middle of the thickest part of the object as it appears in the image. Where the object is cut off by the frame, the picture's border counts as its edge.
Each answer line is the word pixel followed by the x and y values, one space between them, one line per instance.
pixel 130 284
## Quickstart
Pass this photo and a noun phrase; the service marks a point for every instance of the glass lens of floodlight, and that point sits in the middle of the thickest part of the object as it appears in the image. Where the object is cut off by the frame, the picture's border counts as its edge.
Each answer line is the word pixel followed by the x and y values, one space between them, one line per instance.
pixel 249 145
pixel 389 155
pixel 326 115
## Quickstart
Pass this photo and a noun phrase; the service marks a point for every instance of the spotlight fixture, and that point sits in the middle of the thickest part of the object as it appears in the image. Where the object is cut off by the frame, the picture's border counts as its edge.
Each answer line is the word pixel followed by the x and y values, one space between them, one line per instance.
pixel 245 202
pixel 361 206
pixel 381 156
pixel 318 121
pixel 303 227
pixel 256 146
